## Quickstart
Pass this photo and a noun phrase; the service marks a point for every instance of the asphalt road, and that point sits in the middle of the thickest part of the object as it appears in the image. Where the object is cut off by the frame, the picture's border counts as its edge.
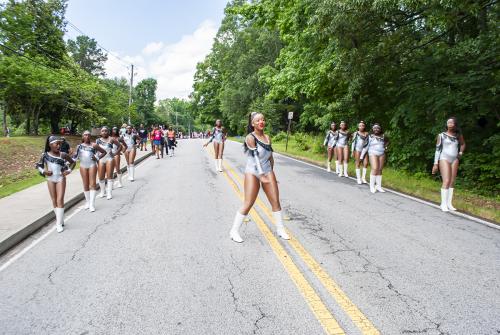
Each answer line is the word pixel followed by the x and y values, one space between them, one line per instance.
pixel 157 259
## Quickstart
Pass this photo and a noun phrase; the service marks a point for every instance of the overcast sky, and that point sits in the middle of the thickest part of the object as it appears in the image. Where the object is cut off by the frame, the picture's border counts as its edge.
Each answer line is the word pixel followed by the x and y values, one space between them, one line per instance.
pixel 164 39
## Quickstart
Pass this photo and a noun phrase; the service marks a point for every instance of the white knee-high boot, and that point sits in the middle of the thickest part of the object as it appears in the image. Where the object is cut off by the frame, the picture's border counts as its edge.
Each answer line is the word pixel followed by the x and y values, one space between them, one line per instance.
pixel 444 200
pixel 363 177
pixel 358 176
pixel 129 173
pixel 132 172
pixel 102 188
pixel 280 228
pixel 340 170
pixel 92 201
pixel 217 164
pixel 87 199
pixel 372 183
pixel 337 167
pixel 235 230
pixel 328 166
pixel 379 184
pixel 450 199
pixel 220 164
pixel 345 170
pixel 109 189
pixel 59 219
pixel 119 180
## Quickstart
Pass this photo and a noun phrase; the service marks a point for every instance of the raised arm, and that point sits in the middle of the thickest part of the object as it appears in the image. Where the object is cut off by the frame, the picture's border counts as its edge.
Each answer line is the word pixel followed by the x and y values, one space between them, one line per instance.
pixel 40 166
pixel 71 162
pixel 98 148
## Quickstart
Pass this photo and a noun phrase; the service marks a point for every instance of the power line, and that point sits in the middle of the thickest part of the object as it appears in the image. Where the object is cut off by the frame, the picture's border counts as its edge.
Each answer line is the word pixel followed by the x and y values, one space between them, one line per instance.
pixel 105 49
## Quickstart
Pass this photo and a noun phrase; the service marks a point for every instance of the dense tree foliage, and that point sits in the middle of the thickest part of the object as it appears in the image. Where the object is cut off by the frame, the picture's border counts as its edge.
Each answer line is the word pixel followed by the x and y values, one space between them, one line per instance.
pixel 46 84
pixel 405 64
pixel 88 55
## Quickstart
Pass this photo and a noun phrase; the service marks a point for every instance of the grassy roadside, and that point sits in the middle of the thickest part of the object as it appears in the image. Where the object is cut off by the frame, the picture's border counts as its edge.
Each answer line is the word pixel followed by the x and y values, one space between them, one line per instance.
pixel 18 156
pixel 421 186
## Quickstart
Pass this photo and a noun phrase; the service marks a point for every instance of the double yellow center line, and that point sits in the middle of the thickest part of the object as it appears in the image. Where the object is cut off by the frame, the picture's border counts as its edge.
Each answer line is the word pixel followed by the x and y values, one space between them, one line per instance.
pixel 324 316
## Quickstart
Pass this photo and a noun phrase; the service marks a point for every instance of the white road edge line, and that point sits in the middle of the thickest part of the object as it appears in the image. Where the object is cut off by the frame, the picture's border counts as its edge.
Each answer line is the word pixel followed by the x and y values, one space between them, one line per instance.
pixel 41 238
pixel 35 242
pixel 428 203
pixel 463 215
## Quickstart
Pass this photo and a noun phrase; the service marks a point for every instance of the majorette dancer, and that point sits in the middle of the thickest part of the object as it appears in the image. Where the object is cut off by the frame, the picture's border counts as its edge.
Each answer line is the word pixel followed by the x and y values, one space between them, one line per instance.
pixel 259 171
pixel 450 147
pixel 218 137
pixel 358 143
pixel 53 165
pixel 106 163
pixel 331 141
pixel 86 153
pixel 375 148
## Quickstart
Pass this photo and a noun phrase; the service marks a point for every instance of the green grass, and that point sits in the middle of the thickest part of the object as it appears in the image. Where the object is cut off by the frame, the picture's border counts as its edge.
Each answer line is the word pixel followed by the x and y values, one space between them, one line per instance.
pixel 18 156
pixel 8 188
pixel 421 186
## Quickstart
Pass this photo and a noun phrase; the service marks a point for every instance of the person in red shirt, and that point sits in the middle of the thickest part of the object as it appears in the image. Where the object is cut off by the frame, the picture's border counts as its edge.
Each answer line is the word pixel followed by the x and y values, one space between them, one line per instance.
pixel 157 135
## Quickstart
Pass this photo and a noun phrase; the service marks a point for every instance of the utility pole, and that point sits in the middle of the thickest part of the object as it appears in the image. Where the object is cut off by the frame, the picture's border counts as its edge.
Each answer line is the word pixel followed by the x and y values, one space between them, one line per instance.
pixel 130 92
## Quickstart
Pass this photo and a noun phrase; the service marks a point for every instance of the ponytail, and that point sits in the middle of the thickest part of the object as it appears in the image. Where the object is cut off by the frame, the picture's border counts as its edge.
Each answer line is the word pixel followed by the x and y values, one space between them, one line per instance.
pixel 250 128
pixel 47 144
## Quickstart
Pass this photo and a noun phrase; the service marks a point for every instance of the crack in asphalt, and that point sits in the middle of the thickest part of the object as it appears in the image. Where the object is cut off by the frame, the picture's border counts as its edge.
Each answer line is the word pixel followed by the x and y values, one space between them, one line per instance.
pixel 116 214
pixel 33 297
pixel 413 305
pixel 235 299
pixel 261 317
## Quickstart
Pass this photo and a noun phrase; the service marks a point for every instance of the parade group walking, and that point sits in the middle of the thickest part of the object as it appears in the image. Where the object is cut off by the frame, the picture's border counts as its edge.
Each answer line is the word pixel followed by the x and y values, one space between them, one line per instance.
pixel 100 159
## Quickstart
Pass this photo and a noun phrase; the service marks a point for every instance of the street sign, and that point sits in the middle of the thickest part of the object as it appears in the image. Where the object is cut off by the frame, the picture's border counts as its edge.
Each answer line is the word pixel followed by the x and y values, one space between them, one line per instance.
pixel 290 115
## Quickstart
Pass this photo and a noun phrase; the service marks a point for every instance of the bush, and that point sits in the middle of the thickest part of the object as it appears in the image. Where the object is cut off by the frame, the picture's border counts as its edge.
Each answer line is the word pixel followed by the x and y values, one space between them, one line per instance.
pixel 279 137
pixel 301 141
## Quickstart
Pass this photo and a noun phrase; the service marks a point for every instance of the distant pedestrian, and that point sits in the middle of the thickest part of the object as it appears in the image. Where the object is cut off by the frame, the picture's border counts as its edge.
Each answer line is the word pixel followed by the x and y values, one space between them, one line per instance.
pixel 143 134
pixel 65 147
pixel 171 140
pixel 157 136
pixel 123 129
pixel 52 165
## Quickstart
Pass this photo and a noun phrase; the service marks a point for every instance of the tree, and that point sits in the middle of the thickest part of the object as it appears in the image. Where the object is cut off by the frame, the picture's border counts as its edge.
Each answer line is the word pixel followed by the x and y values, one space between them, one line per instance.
pixel 144 100
pixel 88 55
pixel 404 64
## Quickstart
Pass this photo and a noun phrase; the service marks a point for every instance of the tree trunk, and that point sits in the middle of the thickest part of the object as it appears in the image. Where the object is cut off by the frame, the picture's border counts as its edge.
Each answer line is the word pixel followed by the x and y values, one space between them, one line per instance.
pixel 36 120
pixel 4 117
pixel 55 116
pixel 27 117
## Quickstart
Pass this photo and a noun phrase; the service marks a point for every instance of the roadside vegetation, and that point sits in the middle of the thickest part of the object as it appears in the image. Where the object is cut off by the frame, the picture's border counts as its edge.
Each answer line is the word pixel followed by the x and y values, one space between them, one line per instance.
pixel 309 148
